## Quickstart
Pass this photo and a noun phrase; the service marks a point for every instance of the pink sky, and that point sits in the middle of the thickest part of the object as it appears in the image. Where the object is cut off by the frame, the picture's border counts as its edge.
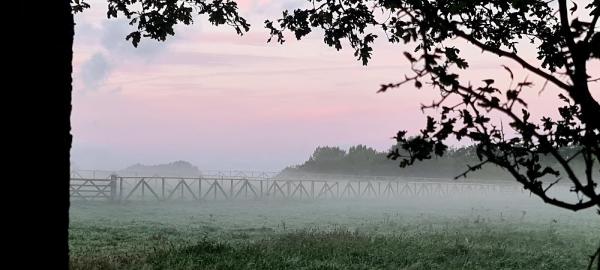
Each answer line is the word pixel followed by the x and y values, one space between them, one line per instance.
pixel 222 101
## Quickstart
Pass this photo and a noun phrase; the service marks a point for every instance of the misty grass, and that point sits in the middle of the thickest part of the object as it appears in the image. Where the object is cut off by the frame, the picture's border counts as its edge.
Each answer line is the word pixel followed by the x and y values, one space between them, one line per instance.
pixel 298 236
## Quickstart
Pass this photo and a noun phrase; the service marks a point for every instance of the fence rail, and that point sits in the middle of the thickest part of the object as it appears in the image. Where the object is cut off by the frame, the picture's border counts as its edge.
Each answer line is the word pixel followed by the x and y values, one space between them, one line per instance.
pixel 265 186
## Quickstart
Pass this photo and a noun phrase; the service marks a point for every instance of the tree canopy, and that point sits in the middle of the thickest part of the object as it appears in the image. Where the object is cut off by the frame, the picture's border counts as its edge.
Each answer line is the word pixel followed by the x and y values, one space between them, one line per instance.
pixel 155 19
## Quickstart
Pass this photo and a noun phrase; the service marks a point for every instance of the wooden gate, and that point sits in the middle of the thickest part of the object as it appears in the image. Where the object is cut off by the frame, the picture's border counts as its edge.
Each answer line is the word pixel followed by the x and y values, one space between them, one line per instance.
pixel 93 189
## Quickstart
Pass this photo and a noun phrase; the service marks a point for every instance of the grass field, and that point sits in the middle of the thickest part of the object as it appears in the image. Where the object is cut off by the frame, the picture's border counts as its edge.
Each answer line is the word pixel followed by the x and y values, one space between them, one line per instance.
pixel 483 233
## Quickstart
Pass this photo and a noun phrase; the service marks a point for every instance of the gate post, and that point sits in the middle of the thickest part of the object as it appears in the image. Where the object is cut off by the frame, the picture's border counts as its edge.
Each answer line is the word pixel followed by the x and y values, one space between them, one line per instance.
pixel 113 187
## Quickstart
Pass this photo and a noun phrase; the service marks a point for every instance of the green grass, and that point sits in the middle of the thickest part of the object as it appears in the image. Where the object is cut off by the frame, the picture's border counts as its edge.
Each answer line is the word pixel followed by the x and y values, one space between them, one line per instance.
pixel 342 249
pixel 329 235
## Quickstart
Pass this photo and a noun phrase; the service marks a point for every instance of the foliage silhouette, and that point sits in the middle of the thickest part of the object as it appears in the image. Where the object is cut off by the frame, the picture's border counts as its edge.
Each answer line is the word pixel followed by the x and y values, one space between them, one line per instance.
pixel 564 46
pixel 155 19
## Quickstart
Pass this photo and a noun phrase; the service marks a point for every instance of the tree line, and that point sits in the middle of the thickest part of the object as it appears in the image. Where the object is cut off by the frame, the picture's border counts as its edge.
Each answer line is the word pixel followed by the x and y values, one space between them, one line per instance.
pixel 363 160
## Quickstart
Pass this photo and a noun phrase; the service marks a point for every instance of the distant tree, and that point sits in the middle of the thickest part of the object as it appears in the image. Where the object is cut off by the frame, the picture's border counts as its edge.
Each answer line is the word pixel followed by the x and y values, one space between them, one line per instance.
pixel 326 153
pixel 364 160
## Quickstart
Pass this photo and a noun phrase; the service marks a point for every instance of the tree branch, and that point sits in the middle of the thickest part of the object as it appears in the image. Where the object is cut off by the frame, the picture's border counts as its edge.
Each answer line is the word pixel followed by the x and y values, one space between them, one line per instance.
pixel 565 27
pixel 588 191
pixel 592 26
pixel 540 192
pixel 515 57
pixel 471 169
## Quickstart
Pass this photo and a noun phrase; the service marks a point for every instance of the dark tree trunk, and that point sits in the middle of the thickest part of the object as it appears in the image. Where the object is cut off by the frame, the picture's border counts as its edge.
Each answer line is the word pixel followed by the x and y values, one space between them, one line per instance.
pixel 38 130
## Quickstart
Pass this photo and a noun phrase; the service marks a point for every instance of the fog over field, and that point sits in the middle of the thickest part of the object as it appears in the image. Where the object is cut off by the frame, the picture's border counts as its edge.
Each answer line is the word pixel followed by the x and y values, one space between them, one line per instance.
pixel 313 216
pixel 417 223
pixel 422 232
pixel 379 135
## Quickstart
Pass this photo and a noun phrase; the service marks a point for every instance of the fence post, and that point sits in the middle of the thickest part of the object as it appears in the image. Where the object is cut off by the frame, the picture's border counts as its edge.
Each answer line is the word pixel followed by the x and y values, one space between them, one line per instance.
pixel 113 187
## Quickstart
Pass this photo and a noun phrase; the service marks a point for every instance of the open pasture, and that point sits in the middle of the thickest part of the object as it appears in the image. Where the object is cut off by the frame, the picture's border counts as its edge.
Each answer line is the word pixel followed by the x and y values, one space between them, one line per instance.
pixel 479 232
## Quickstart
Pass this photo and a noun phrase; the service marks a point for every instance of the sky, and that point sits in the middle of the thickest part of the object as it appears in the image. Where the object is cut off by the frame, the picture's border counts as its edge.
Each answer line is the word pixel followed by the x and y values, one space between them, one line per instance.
pixel 221 101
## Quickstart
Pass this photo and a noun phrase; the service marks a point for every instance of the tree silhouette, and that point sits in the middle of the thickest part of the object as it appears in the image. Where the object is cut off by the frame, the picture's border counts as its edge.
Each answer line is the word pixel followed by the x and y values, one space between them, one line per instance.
pixel 155 19
pixel 564 46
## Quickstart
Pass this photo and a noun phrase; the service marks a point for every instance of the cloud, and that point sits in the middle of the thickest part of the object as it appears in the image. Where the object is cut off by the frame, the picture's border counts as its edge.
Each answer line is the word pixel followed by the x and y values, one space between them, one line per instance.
pixel 86 32
pixel 113 41
pixel 105 50
pixel 269 7
pixel 94 71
